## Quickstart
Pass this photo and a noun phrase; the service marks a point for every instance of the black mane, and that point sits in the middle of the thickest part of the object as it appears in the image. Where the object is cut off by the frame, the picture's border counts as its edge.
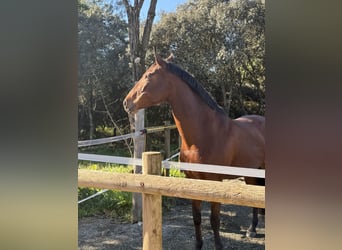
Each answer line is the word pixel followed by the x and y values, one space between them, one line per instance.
pixel 195 86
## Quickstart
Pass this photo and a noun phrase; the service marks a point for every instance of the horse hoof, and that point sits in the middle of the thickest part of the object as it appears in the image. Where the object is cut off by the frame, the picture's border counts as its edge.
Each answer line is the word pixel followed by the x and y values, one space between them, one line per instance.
pixel 251 234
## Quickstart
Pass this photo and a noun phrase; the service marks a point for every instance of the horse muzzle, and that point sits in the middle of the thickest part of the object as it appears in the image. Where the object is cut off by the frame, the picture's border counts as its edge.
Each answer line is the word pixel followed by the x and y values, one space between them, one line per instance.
pixel 129 107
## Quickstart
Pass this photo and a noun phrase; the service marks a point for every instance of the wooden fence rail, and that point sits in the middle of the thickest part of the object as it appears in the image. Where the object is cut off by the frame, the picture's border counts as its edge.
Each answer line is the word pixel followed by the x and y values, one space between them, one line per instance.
pixel 230 192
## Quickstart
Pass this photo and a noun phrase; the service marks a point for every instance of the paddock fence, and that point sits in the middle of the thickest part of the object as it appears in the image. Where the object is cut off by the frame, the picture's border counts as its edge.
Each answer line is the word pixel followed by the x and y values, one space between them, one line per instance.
pixel 153 186
pixel 230 192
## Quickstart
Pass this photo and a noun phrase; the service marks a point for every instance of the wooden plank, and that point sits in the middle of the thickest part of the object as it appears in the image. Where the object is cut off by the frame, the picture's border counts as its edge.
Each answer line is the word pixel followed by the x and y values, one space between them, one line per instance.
pixel 152 205
pixel 229 192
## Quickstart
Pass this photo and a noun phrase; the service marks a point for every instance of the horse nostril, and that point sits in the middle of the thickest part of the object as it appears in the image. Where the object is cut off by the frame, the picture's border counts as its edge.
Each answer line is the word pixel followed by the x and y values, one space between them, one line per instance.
pixel 127 106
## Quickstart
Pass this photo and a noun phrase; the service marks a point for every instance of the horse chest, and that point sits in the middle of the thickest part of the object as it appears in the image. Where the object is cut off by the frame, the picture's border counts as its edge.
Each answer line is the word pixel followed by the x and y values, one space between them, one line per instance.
pixel 190 155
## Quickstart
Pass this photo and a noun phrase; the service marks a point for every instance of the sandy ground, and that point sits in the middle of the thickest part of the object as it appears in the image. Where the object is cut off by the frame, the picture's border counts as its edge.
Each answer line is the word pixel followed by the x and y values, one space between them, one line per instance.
pixel 102 232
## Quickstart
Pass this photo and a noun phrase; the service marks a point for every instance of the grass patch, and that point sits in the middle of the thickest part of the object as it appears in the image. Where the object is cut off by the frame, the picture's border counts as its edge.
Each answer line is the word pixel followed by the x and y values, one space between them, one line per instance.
pixel 113 203
pixel 105 131
pixel 175 172
pixel 116 204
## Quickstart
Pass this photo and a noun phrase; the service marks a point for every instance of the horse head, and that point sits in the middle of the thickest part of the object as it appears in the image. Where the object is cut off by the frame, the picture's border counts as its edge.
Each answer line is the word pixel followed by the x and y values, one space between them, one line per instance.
pixel 151 89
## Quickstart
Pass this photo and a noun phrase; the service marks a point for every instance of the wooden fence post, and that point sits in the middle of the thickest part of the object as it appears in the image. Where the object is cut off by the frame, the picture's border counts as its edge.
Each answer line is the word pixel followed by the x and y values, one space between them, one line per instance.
pixel 152 205
pixel 139 148
pixel 167 145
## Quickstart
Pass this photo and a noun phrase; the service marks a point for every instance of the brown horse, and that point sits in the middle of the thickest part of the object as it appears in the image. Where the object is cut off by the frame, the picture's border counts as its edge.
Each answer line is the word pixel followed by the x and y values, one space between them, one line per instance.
pixel 208 135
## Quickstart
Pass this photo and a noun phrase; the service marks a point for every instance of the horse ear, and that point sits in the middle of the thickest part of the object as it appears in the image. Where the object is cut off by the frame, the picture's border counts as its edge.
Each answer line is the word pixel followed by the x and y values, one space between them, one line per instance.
pixel 159 60
pixel 170 58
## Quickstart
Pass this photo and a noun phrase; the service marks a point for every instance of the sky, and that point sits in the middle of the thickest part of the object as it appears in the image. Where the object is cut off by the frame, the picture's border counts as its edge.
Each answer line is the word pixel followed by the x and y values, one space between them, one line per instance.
pixel 162 5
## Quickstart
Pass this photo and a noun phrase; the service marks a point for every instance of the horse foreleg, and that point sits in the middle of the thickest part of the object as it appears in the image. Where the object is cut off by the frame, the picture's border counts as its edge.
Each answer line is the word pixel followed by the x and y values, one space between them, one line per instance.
pixel 215 223
pixel 251 232
pixel 196 215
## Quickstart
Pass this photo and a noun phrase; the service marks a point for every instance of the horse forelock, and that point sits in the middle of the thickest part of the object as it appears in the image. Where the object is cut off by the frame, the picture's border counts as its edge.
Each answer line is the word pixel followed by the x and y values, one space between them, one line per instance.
pixel 195 86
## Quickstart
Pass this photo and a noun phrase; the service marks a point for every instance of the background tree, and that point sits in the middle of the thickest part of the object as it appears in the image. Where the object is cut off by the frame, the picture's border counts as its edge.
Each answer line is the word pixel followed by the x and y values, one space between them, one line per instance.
pixel 222 44
pixel 137 50
pixel 102 71
pixel 138 44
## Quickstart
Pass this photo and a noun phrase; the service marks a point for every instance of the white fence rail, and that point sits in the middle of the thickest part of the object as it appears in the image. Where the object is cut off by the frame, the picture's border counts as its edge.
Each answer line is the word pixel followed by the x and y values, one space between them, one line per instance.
pixel 87 143
pixel 207 168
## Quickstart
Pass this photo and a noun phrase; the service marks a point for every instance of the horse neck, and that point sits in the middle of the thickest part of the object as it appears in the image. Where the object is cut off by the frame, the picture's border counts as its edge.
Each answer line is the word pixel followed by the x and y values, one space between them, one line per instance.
pixel 192 116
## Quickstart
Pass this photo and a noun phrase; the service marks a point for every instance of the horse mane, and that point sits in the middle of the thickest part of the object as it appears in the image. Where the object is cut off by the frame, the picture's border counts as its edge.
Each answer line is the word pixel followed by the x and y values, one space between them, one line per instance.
pixel 195 86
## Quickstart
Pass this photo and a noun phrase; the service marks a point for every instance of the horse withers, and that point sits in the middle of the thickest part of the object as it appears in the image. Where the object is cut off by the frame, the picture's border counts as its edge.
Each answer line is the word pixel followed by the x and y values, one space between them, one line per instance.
pixel 208 135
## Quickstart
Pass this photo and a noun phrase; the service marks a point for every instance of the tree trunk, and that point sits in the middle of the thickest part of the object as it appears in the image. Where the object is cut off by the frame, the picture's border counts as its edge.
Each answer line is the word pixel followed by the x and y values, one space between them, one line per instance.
pixel 146 34
pixel 138 50
pixel 133 21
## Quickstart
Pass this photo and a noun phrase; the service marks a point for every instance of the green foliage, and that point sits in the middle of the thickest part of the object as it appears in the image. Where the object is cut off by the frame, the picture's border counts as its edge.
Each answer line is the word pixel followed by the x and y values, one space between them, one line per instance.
pixel 103 64
pixel 222 43
pixel 117 148
pixel 121 148
pixel 105 167
pixel 175 172
pixel 105 131
pixel 113 203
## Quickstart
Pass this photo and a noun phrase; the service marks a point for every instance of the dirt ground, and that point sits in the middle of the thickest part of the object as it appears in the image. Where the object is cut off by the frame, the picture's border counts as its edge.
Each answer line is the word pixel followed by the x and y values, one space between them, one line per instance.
pixel 100 232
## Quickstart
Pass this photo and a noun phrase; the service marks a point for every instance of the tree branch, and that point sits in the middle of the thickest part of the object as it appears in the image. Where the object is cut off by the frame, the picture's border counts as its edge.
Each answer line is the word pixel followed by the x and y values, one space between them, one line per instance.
pixel 148 25
pixel 127 5
pixel 139 4
pixel 114 123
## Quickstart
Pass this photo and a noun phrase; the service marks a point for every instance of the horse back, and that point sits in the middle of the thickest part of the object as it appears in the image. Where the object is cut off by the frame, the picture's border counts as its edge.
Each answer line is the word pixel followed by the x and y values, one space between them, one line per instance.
pixel 248 141
pixel 251 122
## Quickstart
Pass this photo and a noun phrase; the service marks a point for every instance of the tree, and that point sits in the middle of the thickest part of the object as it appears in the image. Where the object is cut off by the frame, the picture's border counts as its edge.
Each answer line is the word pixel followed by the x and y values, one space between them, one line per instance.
pixel 102 73
pixel 222 44
pixel 138 45
pixel 137 49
